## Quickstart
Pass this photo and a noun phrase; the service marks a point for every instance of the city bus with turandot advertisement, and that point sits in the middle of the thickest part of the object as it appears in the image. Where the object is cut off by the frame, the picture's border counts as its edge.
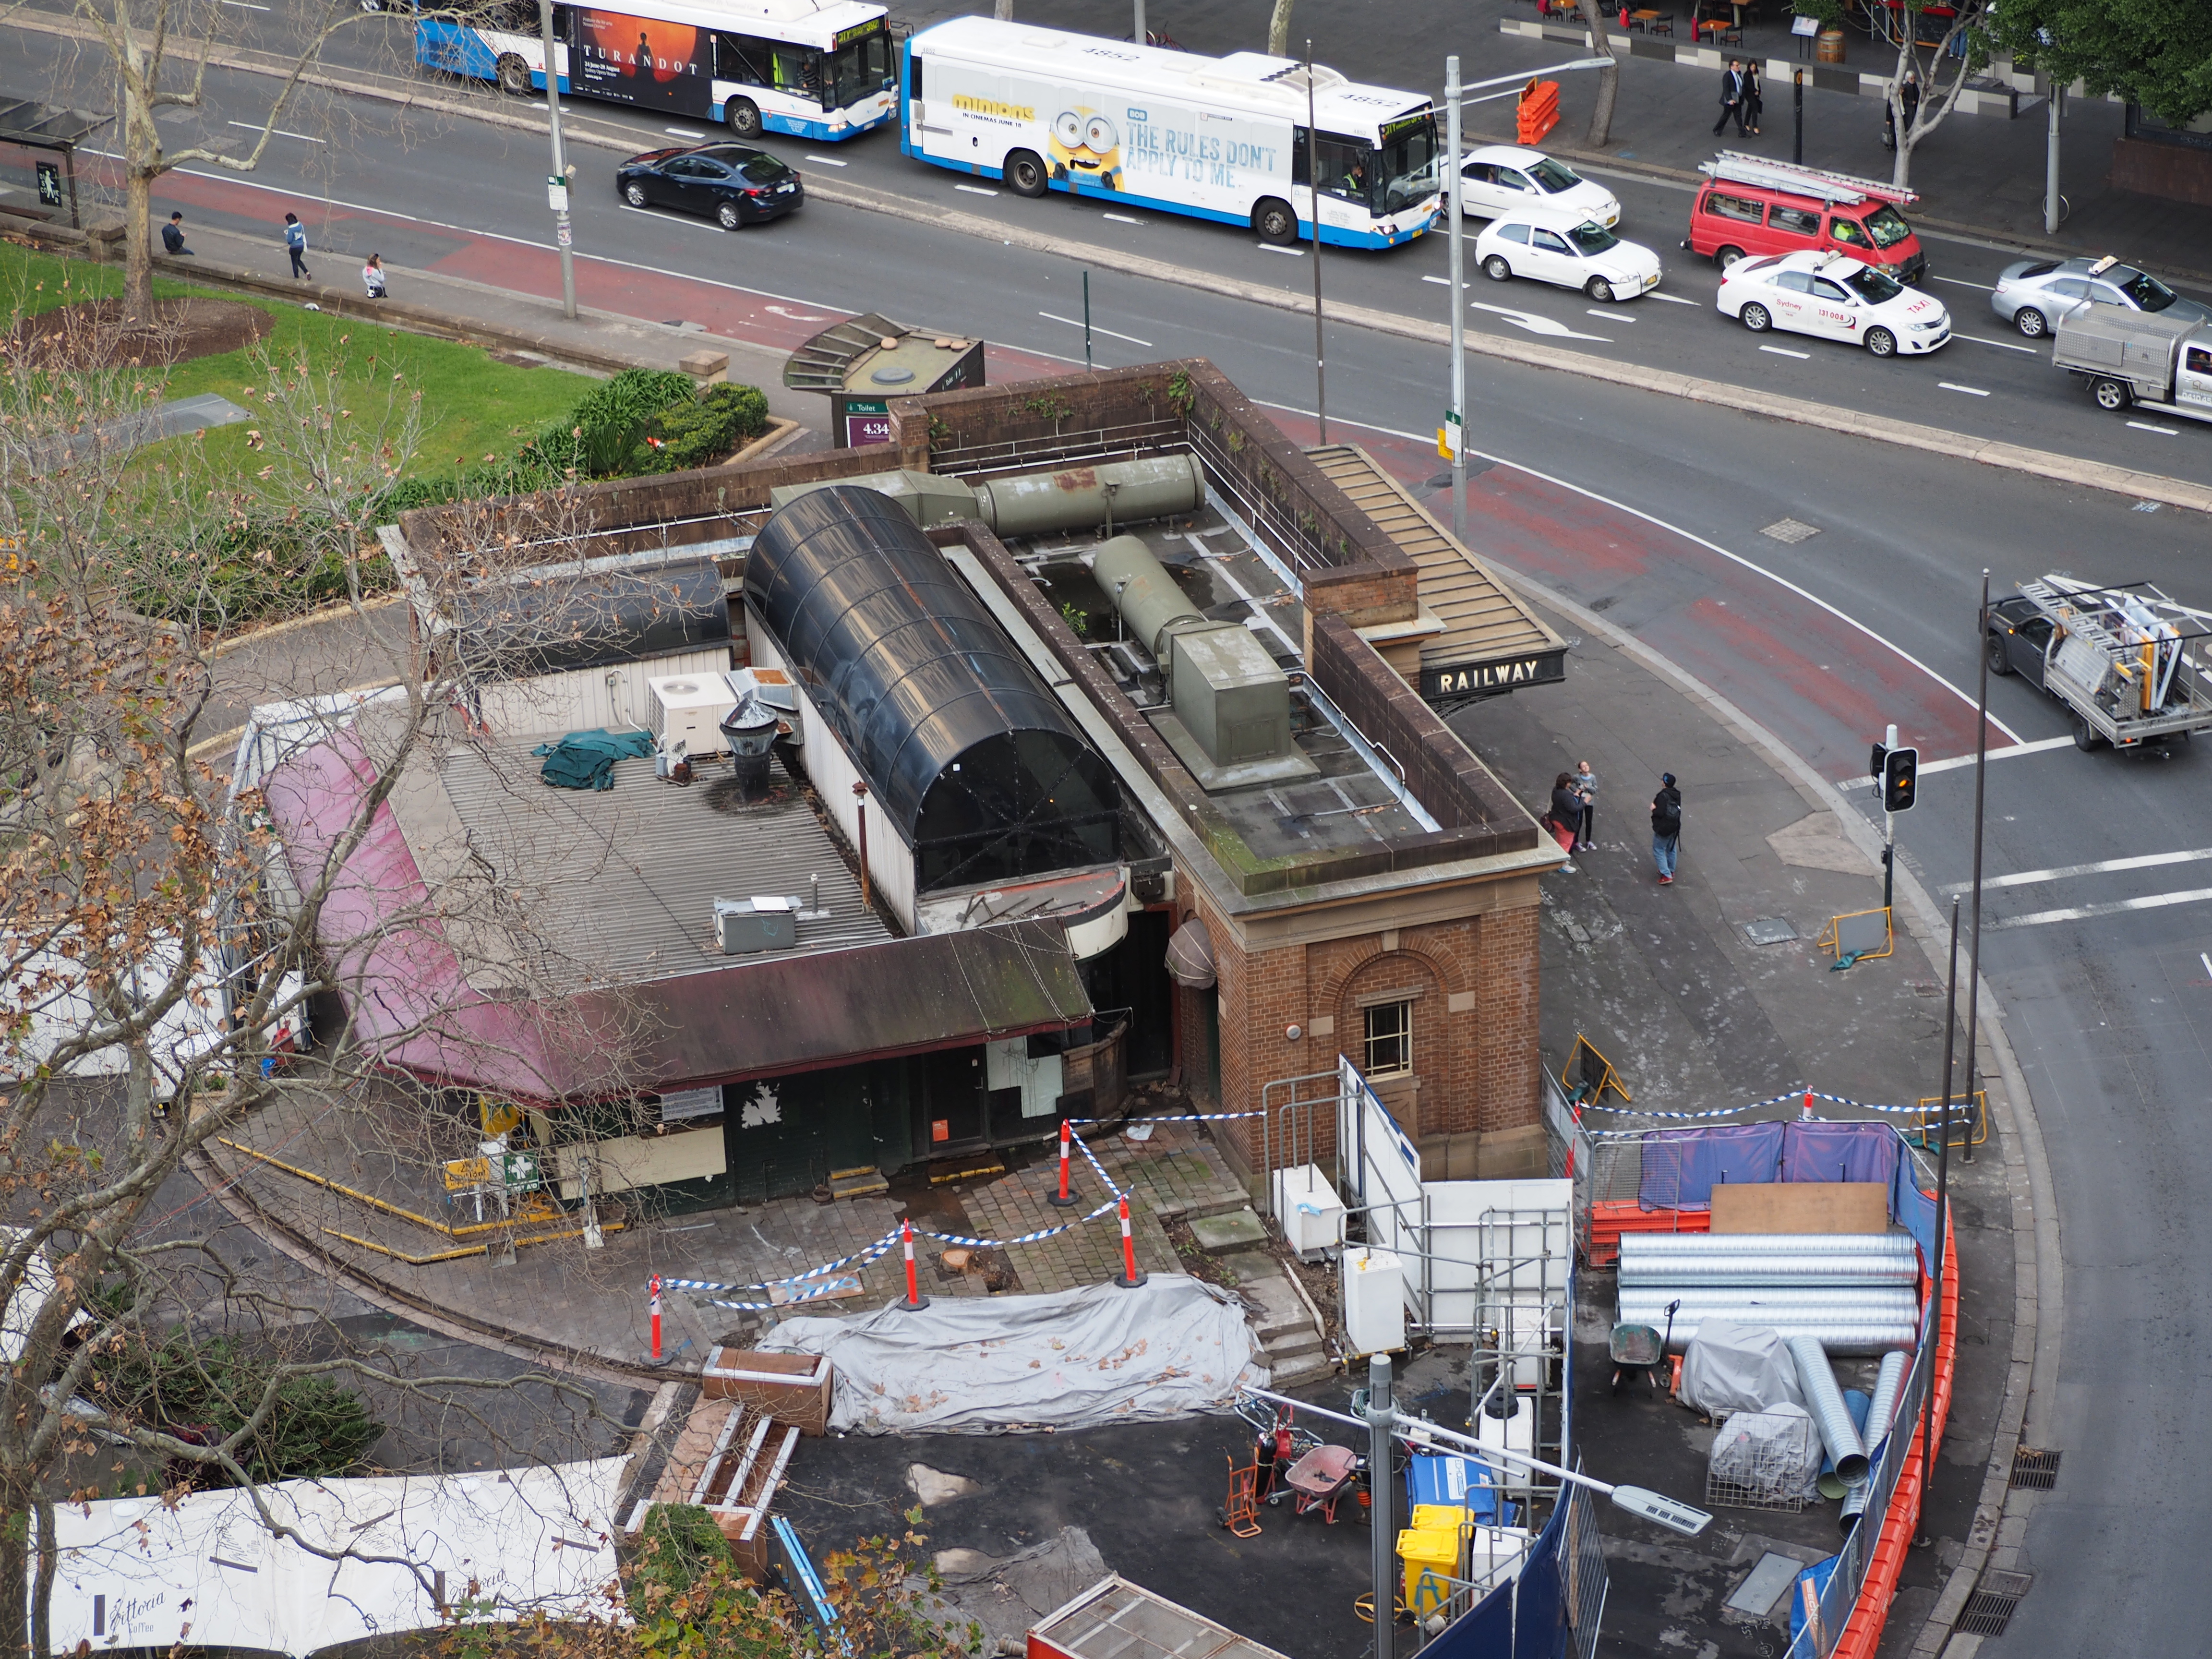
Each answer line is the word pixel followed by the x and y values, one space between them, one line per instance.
pixel 817 69
pixel 1220 138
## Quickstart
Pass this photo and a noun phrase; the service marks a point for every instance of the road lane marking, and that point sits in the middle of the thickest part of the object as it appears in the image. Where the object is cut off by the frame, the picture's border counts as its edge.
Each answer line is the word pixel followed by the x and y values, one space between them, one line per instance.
pixel 2036 748
pixel 827 161
pixel 2002 345
pixel 975 190
pixel 2020 743
pixel 1271 248
pixel 1784 352
pixel 1441 282
pixel 669 218
pixel 1961 282
pixel 1073 322
pixel 2105 867
pixel 279 132
pixel 686 132
pixel 1124 219
pixel 1609 314
pixel 1536 325
pixel 1671 299
pixel 1970 391
pixel 2092 912
pixel 2145 426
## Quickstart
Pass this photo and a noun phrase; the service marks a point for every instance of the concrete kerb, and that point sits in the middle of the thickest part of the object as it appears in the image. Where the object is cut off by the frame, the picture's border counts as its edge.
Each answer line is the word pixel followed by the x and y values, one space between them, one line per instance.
pixel 2062 469
pixel 2038 1284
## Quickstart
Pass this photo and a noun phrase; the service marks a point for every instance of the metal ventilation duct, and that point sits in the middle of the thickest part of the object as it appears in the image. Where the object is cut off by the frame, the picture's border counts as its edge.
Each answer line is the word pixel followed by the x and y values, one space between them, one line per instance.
pixel 1752 1259
pixel 1843 1321
pixel 1837 1433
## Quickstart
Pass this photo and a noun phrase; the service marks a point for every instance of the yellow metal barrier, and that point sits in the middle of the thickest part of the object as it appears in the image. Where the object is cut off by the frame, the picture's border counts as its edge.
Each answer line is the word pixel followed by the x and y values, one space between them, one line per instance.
pixel 1858 942
pixel 445 1229
pixel 1595 1076
pixel 1970 1121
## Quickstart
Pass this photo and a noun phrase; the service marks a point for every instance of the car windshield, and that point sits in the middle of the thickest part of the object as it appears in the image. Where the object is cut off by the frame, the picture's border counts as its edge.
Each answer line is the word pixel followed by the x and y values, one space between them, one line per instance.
pixel 1875 286
pixel 763 169
pixel 1590 237
pixel 2145 290
pixel 1887 226
pixel 1553 177
pixel 860 66
pixel 1405 161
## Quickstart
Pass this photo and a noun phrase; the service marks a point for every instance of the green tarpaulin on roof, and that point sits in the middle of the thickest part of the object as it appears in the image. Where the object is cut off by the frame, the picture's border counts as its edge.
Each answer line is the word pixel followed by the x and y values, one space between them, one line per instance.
pixel 586 760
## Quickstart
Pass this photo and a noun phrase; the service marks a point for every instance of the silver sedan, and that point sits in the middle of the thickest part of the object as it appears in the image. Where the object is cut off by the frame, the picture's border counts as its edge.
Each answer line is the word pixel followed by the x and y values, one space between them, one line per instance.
pixel 2034 294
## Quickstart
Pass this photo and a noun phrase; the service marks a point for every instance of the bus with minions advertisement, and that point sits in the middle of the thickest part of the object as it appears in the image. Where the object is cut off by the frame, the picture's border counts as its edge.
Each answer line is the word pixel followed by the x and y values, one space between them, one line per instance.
pixel 1219 138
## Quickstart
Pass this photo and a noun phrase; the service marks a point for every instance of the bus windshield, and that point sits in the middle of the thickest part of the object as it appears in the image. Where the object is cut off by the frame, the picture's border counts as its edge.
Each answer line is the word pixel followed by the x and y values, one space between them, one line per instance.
pixel 1405 161
pixel 860 66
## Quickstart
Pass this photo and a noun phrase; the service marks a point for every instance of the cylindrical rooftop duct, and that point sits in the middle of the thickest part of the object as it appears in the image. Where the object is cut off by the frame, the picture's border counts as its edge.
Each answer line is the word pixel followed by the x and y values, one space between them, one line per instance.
pixel 1826 1401
pixel 1888 1384
pixel 1750 1260
pixel 1083 497
pixel 1142 590
pixel 1843 1321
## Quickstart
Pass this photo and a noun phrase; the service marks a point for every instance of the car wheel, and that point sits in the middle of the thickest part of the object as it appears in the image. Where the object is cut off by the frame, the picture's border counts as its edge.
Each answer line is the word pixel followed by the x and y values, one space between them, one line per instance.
pixel 1275 222
pixel 634 193
pixel 1882 342
pixel 743 117
pixel 2085 737
pixel 514 78
pixel 2000 662
pixel 1025 174
pixel 1496 269
pixel 2030 322
pixel 2112 395
pixel 1727 257
pixel 1599 290
pixel 1755 317
pixel 727 216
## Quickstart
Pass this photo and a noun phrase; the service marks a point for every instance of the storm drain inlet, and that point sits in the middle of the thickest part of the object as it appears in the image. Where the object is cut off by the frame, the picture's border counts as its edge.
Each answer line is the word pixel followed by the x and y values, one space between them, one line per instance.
pixel 1989 1608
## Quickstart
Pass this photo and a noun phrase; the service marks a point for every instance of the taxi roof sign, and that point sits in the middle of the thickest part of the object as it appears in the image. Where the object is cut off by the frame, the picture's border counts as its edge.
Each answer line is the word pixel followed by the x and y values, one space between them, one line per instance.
pixel 2104 265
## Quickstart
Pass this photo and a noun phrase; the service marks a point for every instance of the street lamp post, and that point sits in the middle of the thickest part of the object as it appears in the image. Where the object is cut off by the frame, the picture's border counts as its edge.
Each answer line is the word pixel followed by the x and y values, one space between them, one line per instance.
pixel 1313 188
pixel 1455 416
pixel 556 182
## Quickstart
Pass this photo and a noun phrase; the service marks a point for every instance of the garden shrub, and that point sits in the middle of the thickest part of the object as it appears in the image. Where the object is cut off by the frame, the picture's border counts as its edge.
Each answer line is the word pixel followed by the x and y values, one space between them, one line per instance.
pixel 707 429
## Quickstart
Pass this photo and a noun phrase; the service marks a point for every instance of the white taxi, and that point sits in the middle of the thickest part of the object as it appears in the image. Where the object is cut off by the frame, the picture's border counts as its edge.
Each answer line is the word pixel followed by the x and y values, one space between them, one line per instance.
pixel 1583 255
pixel 1836 297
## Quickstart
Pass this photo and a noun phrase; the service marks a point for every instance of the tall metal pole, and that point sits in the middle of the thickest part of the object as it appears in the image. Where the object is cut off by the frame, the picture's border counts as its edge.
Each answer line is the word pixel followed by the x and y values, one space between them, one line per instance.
pixel 1139 36
pixel 557 181
pixel 1798 98
pixel 1455 417
pixel 1086 320
pixel 1888 831
pixel 1313 184
pixel 1974 931
pixel 1384 1545
pixel 2050 164
pixel 1942 1218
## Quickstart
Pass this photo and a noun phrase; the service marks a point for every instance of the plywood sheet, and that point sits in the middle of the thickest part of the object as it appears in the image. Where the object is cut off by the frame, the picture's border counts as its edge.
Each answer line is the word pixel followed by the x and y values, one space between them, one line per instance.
pixel 1801 1207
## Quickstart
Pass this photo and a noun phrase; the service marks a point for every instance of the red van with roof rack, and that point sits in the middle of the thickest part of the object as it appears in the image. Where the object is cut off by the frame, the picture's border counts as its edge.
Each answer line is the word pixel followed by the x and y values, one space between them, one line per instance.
pixel 1750 205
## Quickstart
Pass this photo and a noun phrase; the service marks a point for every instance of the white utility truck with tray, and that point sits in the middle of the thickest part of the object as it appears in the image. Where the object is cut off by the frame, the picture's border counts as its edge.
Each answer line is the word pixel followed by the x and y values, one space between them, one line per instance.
pixel 2127 660
pixel 2138 359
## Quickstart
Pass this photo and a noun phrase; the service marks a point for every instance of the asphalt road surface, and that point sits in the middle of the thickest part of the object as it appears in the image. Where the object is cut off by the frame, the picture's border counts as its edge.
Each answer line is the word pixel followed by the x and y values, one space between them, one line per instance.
pixel 1666 517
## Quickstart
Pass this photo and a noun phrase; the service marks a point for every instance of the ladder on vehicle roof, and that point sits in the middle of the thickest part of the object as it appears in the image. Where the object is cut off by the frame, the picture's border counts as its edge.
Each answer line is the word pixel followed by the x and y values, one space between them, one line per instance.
pixel 1739 167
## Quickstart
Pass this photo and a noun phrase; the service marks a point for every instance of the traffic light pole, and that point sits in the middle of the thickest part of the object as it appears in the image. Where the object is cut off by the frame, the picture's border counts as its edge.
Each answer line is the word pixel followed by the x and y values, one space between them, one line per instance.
pixel 1888 833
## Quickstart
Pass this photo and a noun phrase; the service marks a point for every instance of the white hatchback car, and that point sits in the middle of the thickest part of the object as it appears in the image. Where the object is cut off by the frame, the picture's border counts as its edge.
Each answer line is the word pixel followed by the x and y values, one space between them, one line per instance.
pixel 1499 179
pixel 1586 256
pixel 1836 297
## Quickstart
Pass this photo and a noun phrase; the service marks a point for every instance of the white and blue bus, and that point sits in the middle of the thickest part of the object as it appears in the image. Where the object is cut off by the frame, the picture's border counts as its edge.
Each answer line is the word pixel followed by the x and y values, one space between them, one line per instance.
pixel 818 69
pixel 1221 138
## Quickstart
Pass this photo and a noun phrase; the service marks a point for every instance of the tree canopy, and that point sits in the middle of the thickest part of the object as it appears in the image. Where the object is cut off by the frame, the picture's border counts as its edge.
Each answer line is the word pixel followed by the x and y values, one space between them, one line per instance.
pixel 2157 53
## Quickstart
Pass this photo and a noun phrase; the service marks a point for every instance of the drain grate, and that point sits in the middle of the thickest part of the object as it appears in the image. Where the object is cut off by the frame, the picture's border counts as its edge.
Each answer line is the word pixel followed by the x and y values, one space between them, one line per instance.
pixel 1989 1608
pixel 2038 1470
pixel 1790 530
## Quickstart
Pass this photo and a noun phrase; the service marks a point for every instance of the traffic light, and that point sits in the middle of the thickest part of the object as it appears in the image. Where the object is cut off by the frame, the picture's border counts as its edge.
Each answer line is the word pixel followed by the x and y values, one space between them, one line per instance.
pixel 1900 778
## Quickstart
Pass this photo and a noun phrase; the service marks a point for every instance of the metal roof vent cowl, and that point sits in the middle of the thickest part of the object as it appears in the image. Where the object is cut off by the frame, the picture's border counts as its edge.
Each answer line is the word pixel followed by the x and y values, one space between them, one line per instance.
pixel 750 731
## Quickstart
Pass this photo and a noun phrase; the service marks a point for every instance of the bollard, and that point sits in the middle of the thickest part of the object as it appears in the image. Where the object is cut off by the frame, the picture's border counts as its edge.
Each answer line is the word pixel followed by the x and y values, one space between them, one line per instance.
pixel 1129 1278
pixel 915 1301
pixel 1063 1197
pixel 656 1358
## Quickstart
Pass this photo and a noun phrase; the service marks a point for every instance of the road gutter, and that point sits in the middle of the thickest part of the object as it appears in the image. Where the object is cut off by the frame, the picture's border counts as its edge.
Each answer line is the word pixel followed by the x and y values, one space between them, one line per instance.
pixel 1907 434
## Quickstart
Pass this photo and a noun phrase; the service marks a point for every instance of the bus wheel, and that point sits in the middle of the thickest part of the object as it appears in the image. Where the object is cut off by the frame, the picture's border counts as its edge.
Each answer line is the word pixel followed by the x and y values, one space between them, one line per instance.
pixel 1275 222
pixel 514 77
pixel 1024 174
pixel 744 117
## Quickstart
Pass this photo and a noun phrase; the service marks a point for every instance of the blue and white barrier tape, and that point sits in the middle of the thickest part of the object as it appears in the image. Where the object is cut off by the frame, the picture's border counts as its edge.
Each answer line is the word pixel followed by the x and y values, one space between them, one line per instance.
pixel 1043 1233
pixel 1793 1095
pixel 866 1252
pixel 1172 1117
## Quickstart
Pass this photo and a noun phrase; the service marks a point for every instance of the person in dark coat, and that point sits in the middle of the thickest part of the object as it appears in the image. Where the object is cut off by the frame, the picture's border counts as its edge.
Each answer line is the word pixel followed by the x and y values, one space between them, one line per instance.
pixel 173 237
pixel 1666 827
pixel 1748 111
pixel 1566 818
pixel 1731 97
pixel 1908 95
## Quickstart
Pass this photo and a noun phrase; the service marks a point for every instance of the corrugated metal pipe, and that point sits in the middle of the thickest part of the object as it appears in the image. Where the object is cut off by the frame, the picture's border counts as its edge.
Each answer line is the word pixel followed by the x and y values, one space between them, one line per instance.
pixel 1863 1321
pixel 1888 1384
pixel 1853 1506
pixel 1825 1401
pixel 1682 1260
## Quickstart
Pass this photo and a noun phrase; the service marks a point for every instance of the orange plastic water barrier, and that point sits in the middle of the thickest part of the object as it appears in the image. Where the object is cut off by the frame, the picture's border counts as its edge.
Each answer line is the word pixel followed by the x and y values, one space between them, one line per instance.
pixel 1538 112
pixel 1610 1219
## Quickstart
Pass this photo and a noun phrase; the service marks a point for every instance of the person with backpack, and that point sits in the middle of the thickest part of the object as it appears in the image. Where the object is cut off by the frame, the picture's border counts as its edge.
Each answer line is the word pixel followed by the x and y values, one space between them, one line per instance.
pixel 1666 827
pixel 1565 818
pixel 295 244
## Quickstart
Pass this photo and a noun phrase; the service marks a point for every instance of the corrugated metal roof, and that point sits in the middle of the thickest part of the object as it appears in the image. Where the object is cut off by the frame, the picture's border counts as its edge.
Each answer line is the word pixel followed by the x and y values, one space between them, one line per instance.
pixel 623 883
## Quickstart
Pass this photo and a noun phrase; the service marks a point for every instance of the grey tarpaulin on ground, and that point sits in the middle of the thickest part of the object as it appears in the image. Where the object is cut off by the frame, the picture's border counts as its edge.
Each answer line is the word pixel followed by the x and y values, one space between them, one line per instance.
pixel 1739 1368
pixel 983 1364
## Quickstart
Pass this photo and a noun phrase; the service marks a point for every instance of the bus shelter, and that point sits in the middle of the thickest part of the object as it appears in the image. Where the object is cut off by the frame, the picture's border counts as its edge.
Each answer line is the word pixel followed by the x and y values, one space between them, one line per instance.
pixel 49 132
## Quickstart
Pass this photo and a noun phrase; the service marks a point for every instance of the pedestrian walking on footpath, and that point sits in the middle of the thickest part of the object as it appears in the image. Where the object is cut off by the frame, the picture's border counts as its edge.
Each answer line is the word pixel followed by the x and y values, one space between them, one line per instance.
pixel 173 237
pixel 1747 113
pixel 295 244
pixel 1586 786
pixel 1731 97
pixel 372 277
pixel 1908 95
pixel 1565 819
pixel 1666 827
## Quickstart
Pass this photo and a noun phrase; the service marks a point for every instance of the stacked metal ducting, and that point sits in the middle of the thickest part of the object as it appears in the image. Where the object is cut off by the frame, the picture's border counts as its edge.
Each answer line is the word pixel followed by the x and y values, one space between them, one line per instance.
pixel 1853 1293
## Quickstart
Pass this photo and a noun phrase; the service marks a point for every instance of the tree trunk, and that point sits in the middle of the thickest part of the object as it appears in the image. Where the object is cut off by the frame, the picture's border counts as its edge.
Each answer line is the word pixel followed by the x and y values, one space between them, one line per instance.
pixel 42 1595
pixel 14 1569
pixel 137 246
pixel 1608 79
pixel 1278 30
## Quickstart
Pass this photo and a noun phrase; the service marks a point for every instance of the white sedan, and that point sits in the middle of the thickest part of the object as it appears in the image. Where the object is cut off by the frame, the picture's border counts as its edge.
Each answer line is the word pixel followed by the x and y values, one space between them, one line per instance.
pixel 1503 179
pixel 1586 256
pixel 1836 297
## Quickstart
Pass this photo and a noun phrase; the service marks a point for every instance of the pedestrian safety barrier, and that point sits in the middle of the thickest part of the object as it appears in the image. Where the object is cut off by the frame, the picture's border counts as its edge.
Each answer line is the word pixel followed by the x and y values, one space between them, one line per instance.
pixel 1538 111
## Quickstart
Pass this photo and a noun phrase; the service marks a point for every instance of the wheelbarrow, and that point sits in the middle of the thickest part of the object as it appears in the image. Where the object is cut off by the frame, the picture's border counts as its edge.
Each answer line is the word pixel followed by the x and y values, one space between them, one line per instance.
pixel 1640 1348
pixel 1319 1479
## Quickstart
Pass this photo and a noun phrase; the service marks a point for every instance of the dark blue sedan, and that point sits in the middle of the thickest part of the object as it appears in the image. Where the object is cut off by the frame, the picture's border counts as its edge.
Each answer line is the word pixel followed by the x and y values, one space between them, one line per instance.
pixel 732 184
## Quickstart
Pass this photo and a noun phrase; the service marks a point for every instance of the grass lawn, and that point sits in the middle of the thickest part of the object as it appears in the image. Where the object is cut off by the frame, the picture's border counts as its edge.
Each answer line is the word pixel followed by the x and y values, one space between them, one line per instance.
pixel 473 407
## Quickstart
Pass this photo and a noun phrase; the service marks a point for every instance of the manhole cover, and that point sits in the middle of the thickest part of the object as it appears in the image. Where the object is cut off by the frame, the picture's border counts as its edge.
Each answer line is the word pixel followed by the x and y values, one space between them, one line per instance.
pixel 1789 529
pixel 2038 1470
pixel 1989 1608
pixel 1769 930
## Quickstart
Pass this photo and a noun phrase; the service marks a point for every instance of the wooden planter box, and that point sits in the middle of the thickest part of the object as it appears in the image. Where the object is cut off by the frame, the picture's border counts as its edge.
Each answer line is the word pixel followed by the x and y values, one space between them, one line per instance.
pixel 788 1387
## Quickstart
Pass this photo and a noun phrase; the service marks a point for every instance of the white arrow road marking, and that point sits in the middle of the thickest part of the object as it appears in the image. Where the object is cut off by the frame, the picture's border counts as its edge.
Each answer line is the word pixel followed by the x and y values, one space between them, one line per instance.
pixel 1536 325
pixel 787 313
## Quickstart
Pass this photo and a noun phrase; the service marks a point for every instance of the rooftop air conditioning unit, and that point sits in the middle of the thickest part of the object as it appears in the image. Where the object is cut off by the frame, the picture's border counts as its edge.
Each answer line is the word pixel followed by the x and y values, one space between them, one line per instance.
pixel 687 710
pixel 749 926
